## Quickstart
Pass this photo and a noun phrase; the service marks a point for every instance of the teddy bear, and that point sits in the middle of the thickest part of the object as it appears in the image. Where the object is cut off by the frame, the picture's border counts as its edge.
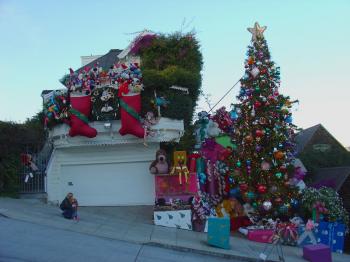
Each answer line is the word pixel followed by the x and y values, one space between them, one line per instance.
pixel 180 166
pixel 160 165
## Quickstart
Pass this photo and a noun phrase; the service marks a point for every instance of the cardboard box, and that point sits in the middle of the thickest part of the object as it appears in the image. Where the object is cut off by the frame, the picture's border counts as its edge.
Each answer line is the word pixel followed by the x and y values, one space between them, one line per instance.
pixel 177 218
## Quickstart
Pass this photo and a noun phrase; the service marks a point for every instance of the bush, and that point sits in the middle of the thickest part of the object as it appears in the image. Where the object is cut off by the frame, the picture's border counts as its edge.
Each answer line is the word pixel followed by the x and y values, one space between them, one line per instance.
pixel 331 200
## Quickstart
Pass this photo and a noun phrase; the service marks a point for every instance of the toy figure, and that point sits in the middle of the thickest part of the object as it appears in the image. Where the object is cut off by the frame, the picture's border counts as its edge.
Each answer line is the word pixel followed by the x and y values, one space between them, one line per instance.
pixel 180 167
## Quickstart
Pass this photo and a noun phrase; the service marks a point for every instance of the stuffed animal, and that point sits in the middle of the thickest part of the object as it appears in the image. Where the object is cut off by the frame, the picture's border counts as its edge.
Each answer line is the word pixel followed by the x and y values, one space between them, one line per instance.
pixel 180 167
pixel 213 129
pixel 160 165
pixel 229 208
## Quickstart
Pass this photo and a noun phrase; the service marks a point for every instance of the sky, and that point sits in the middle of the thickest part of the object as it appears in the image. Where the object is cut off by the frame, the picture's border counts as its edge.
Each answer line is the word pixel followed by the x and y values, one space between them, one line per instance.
pixel 309 40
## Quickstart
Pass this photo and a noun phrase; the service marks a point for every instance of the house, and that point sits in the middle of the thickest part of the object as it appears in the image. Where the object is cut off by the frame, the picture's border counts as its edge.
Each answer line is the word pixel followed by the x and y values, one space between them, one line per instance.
pixel 109 169
pixel 317 148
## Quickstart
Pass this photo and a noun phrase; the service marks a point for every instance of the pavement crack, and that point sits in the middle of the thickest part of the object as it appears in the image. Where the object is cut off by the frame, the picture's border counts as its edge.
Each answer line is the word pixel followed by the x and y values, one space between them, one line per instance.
pixel 138 253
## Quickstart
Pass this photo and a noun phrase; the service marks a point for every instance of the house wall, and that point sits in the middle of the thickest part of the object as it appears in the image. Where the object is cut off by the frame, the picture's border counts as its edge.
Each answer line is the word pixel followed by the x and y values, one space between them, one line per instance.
pixel 96 155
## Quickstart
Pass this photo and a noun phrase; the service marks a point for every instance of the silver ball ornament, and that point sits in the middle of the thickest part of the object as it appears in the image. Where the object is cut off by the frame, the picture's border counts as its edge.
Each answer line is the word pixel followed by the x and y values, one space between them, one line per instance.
pixel 267 205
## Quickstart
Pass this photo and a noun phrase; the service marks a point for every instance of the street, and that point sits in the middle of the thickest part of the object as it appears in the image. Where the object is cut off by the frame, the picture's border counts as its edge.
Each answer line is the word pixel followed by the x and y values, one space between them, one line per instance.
pixel 23 241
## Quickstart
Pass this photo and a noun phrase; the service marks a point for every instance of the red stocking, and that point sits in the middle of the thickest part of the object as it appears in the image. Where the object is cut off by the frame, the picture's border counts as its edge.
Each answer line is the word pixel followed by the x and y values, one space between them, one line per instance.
pixel 81 108
pixel 130 106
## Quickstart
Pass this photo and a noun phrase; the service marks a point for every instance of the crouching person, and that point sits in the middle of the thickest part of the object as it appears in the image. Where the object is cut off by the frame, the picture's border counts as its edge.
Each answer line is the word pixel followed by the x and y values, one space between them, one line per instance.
pixel 67 207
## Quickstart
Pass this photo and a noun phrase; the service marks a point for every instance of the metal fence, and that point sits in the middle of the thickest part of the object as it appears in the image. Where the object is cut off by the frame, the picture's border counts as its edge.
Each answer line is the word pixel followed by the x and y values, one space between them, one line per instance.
pixel 34 181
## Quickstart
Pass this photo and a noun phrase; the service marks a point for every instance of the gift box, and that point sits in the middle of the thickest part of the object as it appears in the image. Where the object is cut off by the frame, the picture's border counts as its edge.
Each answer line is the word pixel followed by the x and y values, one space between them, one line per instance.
pixel 317 253
pixel 261 235
pixel 179 219
pixel 288 233
pixel 219 232
pixel 168 187
pixel 237 222
pixel 306 237
pixel 332 235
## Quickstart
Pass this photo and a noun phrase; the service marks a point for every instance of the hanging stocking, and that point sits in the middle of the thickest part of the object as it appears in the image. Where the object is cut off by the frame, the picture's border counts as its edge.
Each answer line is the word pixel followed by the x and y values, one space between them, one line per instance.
pixel 80 111
pixel 130 106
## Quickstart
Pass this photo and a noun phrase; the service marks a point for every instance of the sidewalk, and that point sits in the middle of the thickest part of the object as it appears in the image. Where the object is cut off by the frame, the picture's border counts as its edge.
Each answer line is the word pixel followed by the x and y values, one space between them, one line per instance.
pixel 134 224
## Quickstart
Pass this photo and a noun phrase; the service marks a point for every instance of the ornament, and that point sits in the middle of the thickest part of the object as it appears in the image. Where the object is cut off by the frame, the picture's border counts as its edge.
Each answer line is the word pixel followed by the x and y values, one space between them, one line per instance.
pixel 289 119
pixel 258 148
pixel 262 121
pixel 234 115
pixel 263 71
pixel 283 168
pixel 265 165
pixel 267 205
pixel 250 195
pixel 257 104
pixel 278 200
pixel 255 72
pixel 243 187
pixel 249 139
pixel 254 205
pixel 234 192
pixel 294 203
pixel 283 209
pixel 259 133
pixel 278 155
pixel 278 175
pixel 257 89
pixel 257 31
pixel 250 60
pixel 262 189
pixel 273 189
pixel 238 163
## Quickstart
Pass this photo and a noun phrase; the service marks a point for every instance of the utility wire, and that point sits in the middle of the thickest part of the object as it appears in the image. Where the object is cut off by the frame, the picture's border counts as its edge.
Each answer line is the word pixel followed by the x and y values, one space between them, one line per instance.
pixel 225 95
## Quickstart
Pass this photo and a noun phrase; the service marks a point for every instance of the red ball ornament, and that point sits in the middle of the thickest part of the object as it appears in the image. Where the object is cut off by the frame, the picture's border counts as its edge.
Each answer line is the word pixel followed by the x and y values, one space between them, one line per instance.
pixel 262 189
pixel 259 133
pixel 263 71
pixel 257 104
pixel 283 168
pixel 243 187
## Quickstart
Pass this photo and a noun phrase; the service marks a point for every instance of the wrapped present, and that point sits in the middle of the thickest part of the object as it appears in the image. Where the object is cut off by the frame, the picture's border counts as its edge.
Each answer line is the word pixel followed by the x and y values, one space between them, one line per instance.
pixel 168 187
pixel 192 162
pixel 219 232
pixel 306 234
pixel 240 221
pixel 177 218
pixel 288 233
pixel 261 235
pixel 317 253
pixel 332 235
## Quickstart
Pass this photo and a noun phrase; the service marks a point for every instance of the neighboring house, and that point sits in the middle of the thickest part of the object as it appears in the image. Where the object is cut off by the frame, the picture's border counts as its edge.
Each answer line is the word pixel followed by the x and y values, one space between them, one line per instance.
pixel 109 169
pixel 317 148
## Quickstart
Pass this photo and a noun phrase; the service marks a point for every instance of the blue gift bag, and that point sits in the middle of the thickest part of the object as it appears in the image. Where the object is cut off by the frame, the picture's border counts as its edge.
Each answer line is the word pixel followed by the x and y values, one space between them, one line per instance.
pixel 219 232
pixel 332 235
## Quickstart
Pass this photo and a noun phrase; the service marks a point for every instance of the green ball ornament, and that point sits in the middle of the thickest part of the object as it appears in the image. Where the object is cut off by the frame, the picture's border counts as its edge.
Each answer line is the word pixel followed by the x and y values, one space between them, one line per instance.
pixel 257 89
pixel 238 164
pixel 278 175
pixel 254 204
pixel 251 195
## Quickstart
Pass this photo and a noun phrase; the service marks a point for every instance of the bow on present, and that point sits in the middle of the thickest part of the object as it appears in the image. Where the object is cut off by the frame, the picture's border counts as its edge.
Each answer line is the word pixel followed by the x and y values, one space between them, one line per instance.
pixel 180 170
pixel 287 232
pixel 310 225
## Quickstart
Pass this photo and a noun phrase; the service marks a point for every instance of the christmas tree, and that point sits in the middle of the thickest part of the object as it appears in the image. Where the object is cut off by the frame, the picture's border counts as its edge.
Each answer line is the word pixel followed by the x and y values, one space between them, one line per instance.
pixel 261 167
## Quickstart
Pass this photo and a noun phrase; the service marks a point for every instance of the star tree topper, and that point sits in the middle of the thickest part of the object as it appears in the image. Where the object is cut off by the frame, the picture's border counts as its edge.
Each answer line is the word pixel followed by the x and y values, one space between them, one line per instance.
pixel 257 31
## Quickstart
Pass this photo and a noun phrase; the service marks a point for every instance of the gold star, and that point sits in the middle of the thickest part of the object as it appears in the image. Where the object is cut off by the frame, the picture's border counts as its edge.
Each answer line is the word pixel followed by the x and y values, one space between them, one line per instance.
pixel 257 31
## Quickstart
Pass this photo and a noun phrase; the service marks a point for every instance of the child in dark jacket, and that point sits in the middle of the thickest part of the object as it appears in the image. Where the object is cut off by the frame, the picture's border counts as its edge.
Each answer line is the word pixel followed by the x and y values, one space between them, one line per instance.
pixel 66 206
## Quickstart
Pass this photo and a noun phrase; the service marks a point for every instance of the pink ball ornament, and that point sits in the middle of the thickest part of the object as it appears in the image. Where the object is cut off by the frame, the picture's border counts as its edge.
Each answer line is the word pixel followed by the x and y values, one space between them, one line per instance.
pixel 265 165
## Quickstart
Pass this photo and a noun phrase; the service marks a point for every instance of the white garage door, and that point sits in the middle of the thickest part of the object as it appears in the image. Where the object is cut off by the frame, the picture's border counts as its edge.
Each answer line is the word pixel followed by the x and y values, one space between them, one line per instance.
pixel 109 184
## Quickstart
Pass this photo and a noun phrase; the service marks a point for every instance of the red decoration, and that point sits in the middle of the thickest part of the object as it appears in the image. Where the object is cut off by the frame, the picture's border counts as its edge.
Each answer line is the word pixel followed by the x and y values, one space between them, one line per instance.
pixel 259 133
pixel 131 125
pixel 250 61
pixel 243 187
pixel 78 127
pixel 262 189
pixel 257 104
pixel 249 139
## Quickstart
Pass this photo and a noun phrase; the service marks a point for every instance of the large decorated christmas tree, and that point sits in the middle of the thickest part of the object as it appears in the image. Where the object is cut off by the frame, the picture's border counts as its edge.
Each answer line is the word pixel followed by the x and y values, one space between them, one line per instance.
pixel 261 165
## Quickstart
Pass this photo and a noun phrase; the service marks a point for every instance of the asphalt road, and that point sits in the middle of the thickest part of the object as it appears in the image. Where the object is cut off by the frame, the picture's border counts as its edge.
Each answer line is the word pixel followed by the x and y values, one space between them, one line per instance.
pixel 22 241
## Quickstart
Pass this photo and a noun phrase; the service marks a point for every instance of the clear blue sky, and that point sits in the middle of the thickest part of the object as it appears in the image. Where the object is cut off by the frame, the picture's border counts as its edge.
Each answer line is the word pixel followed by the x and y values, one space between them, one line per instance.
pixel 309 40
